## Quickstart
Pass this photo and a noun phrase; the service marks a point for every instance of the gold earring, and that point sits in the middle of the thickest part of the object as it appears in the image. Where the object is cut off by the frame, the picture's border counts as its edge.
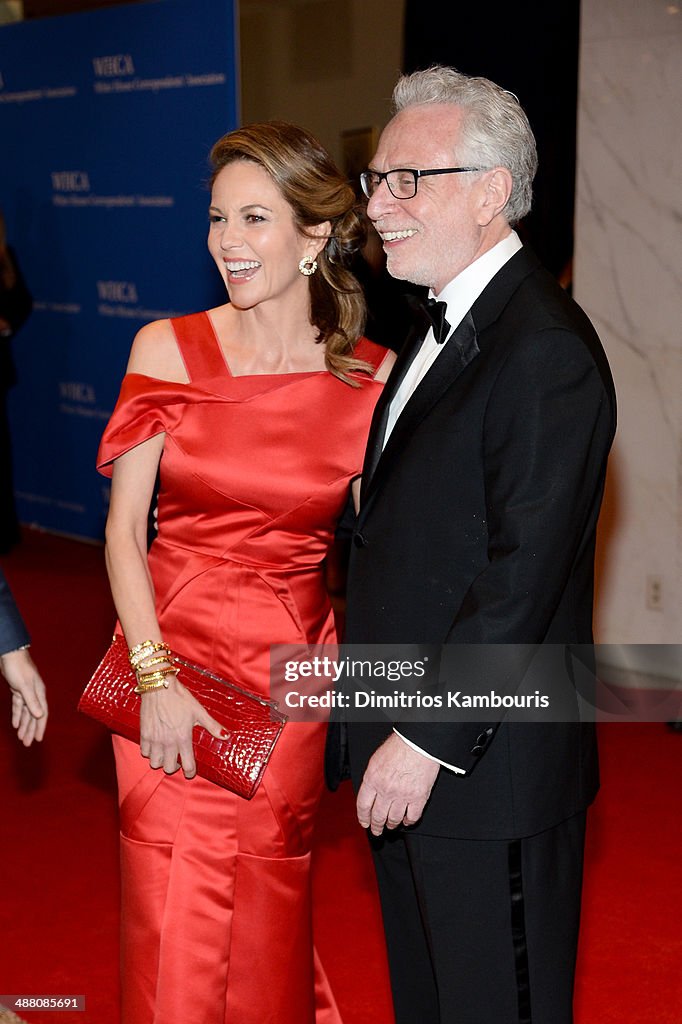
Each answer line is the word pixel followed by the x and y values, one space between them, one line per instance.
pixel 308 266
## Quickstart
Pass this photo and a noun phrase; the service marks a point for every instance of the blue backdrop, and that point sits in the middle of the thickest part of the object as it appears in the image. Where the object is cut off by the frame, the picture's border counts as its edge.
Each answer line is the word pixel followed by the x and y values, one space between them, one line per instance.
pixel 106 120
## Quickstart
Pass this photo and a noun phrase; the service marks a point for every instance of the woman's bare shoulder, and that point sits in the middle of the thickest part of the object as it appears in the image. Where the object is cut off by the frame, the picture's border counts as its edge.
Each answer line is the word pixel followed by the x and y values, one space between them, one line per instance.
pixel 386 366
pixel 155 353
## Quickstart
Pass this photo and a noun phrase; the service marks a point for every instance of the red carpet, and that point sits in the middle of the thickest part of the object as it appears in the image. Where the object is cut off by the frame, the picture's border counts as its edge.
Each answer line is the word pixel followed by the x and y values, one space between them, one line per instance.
pixel 58 847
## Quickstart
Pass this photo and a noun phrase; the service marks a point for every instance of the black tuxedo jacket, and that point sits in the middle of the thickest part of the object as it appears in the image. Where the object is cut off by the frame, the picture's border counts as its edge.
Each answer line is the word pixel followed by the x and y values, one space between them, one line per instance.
pixel 477 526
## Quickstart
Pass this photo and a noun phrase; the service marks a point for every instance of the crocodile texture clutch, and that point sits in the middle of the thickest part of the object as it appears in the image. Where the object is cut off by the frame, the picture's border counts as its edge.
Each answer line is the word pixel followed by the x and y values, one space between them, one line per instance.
pixel 252 722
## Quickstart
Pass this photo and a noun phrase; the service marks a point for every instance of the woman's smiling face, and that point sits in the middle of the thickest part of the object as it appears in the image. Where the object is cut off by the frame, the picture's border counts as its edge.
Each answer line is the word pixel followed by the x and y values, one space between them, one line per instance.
pixel 253 236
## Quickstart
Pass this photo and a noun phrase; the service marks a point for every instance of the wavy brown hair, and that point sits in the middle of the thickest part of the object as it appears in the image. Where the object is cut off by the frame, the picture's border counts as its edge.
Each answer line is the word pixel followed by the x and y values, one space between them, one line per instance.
pixel 316 191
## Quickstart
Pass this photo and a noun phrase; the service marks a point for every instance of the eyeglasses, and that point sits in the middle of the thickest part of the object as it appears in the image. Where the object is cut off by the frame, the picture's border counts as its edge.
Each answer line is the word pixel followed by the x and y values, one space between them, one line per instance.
pixel 402 182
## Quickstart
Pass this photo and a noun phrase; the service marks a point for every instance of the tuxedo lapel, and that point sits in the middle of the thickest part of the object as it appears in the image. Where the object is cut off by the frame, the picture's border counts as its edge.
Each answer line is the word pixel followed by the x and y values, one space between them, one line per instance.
pixel 459 350
pixel 377 428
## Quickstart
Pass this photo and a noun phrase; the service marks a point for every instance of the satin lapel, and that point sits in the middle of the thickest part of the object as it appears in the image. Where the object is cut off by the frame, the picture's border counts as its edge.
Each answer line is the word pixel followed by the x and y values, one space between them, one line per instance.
pixel 459 351
pixel 379 419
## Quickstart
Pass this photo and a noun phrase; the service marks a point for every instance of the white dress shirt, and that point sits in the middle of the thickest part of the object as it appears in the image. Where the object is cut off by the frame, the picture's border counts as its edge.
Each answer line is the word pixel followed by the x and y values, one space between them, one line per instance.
pixel 459 296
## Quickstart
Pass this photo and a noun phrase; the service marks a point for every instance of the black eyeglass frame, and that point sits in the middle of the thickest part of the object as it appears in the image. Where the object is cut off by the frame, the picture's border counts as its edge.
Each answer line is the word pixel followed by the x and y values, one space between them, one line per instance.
pixel 416 175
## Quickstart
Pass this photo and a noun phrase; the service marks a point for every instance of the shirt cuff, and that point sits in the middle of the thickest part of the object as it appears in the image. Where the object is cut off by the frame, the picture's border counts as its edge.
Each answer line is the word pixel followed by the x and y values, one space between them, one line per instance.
pixel 452 767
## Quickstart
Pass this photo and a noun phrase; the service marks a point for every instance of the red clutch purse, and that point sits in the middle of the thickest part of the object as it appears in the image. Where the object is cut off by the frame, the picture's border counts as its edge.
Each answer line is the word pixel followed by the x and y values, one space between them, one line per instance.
pixel 253 723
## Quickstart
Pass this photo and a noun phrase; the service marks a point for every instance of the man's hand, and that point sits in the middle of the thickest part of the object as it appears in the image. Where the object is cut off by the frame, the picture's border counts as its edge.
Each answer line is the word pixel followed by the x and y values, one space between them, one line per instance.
pixel 29 704
pixel 397 783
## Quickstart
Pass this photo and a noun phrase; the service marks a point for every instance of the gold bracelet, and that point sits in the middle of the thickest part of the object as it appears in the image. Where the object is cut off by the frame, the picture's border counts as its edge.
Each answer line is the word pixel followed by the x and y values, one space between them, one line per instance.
pixel 145 650
pixel 155 680
pixel 148 663
pixel 157 673
pixel 161 685
pixel 144 643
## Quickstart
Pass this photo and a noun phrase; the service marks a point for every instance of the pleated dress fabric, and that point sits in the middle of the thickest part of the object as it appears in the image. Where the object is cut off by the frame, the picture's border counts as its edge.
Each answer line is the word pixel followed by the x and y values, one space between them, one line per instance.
pixel 255 472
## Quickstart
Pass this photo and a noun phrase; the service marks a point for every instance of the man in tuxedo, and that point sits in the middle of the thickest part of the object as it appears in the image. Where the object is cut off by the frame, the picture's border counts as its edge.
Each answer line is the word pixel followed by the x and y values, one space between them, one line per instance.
pixel 29 704
pixel 479 502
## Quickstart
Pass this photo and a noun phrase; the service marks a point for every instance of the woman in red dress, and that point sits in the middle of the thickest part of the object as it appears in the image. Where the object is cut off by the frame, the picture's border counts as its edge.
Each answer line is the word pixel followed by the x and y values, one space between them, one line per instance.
pixel 256 415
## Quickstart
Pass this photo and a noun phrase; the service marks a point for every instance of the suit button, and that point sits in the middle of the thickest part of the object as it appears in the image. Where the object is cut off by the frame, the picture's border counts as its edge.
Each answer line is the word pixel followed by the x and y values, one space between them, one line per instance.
pixel 482 739
pixel 477 751
pixel 359 540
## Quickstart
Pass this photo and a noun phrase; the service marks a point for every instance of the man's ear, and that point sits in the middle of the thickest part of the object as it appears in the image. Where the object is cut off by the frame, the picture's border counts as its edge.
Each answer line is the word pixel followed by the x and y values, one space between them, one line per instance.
pixel 319 236
pixel 497 186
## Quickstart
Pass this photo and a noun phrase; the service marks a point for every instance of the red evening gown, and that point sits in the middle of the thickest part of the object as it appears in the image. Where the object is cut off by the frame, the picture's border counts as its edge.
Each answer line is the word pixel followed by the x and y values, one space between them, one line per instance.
pixel 255 472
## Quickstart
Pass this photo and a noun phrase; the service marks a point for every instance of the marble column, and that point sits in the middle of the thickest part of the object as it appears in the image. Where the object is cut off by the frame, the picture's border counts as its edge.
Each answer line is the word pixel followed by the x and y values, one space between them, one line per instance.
pixel 628 278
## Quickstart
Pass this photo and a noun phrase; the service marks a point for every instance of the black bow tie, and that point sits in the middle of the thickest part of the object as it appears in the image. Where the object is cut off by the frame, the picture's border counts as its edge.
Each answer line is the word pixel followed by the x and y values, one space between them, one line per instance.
pixel 431 313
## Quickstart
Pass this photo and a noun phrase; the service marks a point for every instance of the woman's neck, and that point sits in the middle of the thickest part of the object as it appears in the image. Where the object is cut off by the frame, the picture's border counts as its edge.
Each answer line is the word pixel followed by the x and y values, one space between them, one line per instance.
pixel 268 338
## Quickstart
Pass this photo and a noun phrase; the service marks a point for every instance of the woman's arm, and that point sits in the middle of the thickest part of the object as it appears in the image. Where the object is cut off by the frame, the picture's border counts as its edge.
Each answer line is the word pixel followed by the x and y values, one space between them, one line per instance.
pixel 132 487
pixel 167 716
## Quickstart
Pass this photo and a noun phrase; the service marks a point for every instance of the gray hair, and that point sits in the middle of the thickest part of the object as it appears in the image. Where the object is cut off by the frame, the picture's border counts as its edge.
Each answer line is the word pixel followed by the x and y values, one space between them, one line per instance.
pixel 495 129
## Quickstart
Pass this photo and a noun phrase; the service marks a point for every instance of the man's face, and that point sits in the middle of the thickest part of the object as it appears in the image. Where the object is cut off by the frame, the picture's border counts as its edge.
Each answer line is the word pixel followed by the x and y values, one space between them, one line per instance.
pixel 432 237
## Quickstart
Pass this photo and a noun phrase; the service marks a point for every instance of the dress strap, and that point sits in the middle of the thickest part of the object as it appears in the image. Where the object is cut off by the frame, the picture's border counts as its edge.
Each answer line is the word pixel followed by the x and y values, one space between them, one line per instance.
pixel 371 353
pixel 199 346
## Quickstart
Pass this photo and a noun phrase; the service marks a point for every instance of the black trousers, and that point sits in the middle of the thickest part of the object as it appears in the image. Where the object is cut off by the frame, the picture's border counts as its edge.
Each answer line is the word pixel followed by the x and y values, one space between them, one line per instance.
pixel 482 932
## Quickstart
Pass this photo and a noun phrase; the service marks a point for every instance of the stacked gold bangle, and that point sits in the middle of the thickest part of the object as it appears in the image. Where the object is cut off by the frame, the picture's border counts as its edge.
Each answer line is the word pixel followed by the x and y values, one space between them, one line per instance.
pixel 143 657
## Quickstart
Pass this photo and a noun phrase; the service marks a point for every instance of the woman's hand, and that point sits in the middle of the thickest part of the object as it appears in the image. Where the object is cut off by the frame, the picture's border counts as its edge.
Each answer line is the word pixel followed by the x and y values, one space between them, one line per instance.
pixel 167 718
pixel 29 704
